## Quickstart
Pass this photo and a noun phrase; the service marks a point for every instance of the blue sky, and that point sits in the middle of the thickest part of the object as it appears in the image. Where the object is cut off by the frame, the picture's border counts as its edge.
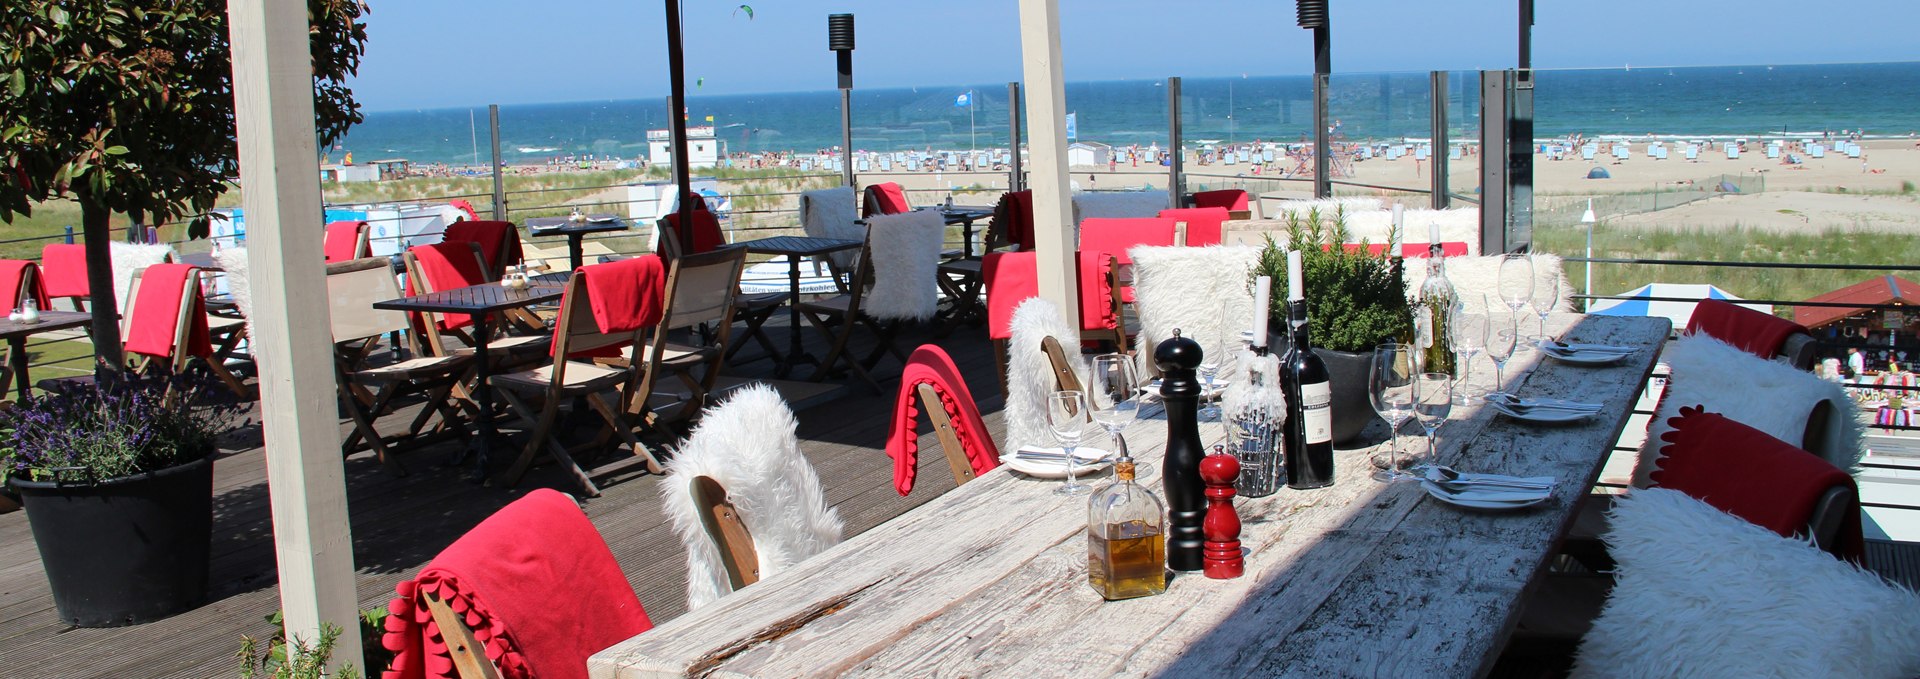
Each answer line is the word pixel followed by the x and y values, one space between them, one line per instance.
pixel 446 53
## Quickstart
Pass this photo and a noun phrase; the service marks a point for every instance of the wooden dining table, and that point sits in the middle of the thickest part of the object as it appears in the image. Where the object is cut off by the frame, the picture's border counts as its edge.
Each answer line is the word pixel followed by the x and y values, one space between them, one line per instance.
pixel 1358 579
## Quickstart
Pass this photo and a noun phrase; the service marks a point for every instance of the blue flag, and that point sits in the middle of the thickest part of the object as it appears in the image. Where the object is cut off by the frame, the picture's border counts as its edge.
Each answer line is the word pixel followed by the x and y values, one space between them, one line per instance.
pixel 1072 126
pixel 965 99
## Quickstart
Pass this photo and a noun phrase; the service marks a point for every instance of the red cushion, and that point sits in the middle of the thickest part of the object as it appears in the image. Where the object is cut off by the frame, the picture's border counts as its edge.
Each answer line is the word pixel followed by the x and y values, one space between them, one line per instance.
pixel 1755 332
pixel 1749 474
pixel 1231 199
pixel 1203 223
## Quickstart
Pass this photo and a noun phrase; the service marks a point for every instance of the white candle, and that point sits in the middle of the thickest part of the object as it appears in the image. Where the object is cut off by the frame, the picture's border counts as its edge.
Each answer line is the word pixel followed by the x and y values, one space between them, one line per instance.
pixel 1262 297
pixel 1433 232
pixel 1399 230
pixel 1296 280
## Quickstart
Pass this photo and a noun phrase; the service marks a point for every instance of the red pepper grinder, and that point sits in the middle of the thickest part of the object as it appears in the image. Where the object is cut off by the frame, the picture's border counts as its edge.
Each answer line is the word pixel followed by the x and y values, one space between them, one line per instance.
pixel 1221 555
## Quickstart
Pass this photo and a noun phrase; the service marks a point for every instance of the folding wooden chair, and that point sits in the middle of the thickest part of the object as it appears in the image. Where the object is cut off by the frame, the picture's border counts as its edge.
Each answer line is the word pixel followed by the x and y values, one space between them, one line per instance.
pixel 961 280
pixel 347 241
pixel 368 392
pixel 702 292
pixel 754 310
pixel 837 316
pixel 182 324
pixel 499 243
pixel 512 349
pixel 885 198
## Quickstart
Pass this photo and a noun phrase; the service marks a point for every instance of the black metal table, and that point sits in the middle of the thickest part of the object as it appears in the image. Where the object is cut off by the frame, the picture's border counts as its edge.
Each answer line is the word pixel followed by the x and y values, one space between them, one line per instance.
pixel 574 231
pixel 17 332
pixel 795 248
pixel 482 302
pixel 965 215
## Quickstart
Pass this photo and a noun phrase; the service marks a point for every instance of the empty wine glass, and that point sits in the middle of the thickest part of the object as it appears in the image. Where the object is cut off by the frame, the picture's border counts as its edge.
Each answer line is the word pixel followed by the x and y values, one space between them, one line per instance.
pixel 1390 387
pixel 1516 282
pixel 1545 296
pixel 1433 402
pixel 1113 396
pixel 1466 334
pixel 1067 419
pixel 1500 344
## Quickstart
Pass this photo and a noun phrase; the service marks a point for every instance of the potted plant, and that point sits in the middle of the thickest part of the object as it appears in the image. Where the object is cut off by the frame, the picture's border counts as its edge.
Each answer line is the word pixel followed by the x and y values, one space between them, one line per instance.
pixel 1355 300
pixel 117 478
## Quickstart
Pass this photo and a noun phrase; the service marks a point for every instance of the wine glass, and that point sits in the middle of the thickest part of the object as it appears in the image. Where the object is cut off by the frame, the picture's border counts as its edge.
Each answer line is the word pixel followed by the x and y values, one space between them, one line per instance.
pixel 1467 335
pixel 1546 295
pixel 1433 401
pixel 1390 387
pixel 1067 419
pixel 1113 395
pixel 1500 345
pixel 1516 284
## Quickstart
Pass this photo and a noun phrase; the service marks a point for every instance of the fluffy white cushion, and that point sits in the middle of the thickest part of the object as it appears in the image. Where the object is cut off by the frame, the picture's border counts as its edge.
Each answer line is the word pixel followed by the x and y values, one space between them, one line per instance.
pixel 1703 593
pixel 131 257
pixel 1326 206
pixel 906 257
pixel 239 287
pixel 1205 292
pixel 1477 280
pixel 1117 204
pixel 1030 374
pixel 830 213
pixel 747 444
pixel 1365 221
pixel 1770 396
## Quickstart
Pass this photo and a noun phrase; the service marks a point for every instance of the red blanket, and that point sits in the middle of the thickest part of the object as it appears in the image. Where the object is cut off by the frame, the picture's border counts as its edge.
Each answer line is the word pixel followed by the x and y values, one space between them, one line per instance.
pixel 13 272
pixel 705 236
pixel 1755 332
pixel 1096 290
pixel 1203 223
pixel 65 269
pixel 491 237
pixel 1012 278
pixel 1746 473
pixel 1020 218
pixel 536 583
pixel 625 296
pixel 156 312
pixel 886 199
pixel 929 364
pixel 446 265
pixel 1231 199
pixel 343 240
pixel 1116 236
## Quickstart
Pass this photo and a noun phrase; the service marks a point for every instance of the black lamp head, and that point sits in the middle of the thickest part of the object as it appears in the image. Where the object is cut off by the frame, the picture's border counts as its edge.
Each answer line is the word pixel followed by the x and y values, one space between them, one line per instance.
pixel 1311 13
pixel 840 32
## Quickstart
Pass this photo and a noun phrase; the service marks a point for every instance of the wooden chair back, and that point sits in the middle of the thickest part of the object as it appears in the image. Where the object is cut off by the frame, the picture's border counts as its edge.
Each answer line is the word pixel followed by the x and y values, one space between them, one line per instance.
pixel 469 655
pixel 353 287
pixel 1829 515
pixel 182 322
pixel 1064 379
pixel 576 331
pixel 701 289
pixel 943 430
pixel 417 281
pixel 729 533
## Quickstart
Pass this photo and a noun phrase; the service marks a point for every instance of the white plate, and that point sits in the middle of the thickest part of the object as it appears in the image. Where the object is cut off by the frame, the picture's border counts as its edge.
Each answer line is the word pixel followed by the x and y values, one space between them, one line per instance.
pixel 1219 387
pixel 1091 460
pixel 1542 415
pixel 1585 357
pixel 1487 499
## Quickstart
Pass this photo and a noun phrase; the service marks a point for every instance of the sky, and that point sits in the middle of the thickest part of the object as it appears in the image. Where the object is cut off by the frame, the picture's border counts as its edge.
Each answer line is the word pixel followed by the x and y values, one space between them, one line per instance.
pixel 456 53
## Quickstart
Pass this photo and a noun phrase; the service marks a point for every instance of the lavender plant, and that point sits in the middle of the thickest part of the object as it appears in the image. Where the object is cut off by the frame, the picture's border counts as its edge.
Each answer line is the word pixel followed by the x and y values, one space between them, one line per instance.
pixel 119 424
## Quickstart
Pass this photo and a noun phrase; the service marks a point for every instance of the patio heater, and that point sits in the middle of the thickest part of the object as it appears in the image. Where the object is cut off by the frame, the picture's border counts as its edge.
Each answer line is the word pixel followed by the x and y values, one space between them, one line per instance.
pixel 840 40
pixel 1312 15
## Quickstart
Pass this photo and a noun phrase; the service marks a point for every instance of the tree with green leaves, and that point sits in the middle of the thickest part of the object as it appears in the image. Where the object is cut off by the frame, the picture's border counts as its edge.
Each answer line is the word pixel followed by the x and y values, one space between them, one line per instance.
pixel 126 106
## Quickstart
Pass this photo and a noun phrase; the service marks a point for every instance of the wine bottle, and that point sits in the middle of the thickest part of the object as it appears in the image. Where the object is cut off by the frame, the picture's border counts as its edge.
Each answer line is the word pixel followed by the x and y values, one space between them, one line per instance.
pixel 1436 307
pixel 1126 541
pixel 1309 440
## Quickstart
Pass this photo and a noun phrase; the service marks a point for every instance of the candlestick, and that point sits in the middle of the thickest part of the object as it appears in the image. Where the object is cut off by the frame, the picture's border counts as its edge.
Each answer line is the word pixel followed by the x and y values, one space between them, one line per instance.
pixel 1262 294
pixel 1296 280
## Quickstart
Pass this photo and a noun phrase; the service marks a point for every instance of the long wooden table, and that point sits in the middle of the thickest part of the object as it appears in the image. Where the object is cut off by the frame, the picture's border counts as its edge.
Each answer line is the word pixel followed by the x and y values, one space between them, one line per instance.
pixel 1360 579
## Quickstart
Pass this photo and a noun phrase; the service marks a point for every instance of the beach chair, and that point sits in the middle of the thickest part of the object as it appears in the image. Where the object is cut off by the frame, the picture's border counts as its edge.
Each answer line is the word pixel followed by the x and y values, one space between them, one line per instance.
pixel 1622 152
pixel 166 321
pixel 1733 152
pixel 1773 151
pixel 367 392
pixel 1816 151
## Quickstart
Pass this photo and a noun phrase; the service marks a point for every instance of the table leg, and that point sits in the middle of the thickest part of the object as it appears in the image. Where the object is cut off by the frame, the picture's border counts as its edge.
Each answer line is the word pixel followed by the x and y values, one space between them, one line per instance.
pixel 573 248
pixel 17 347
pixel 795 351
pixel 482 395
pixel 966 236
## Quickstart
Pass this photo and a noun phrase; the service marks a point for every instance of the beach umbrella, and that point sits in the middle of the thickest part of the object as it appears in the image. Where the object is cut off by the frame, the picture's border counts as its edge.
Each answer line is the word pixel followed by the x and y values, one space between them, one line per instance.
pixel 1656 299
pixel 1599 173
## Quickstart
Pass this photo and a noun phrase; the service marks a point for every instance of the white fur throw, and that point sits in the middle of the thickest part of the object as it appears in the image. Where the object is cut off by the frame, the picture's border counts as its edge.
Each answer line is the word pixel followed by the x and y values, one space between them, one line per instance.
pixel 830 213
pixel 1374 226
pixel 131 257
pixel 1326 206
pixel 1204 292
pixel 1029 373
pixel 906 257
pixel 1703 593
pixel 1770 396
pixel 747 444
pixel 1476 280
pixel 234 262
pixel 1117 204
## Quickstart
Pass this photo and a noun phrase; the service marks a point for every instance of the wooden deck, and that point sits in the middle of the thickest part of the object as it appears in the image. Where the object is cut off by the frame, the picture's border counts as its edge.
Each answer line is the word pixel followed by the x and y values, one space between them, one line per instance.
pixel 399 523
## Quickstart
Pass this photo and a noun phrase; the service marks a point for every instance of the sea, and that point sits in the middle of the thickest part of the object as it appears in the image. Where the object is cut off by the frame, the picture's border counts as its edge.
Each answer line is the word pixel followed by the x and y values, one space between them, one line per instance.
pixel 1880 100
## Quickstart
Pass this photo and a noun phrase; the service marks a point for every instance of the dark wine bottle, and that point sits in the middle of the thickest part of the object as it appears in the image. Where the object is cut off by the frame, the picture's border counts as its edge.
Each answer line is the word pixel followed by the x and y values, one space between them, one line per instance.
pixel 1309 444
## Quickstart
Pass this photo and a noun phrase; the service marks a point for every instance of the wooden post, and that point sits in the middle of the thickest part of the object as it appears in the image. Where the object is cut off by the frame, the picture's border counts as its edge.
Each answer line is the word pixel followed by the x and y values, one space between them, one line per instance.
pixel 274 118
pixel 1053 233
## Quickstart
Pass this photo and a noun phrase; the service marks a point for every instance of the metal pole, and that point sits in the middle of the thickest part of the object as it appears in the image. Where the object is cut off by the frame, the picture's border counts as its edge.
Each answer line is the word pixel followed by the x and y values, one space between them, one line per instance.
pixel 677 98
pixel 1322 142
pixel 1441 144
pixel 1493 162
pixel 1526 34
pixel 1176 192
pixel 1016 182
pixel 846 135
pixel 499 182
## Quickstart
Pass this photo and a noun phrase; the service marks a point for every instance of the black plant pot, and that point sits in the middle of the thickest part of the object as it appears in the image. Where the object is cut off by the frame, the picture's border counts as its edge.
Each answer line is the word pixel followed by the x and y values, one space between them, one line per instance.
pixel 1348 373
pixel 127 550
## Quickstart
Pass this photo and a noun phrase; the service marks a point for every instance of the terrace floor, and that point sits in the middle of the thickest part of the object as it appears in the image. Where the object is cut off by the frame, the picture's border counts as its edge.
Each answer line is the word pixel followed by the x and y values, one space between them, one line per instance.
pixel 400 523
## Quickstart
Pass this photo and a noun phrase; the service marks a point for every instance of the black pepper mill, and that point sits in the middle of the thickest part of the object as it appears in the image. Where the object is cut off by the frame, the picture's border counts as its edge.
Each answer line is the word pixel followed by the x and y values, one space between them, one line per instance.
pixel 1180 474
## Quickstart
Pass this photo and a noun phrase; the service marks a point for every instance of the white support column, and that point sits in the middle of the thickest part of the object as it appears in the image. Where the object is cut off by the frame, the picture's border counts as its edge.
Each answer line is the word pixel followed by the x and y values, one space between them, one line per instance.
pixel 273 106
pixel 1053 233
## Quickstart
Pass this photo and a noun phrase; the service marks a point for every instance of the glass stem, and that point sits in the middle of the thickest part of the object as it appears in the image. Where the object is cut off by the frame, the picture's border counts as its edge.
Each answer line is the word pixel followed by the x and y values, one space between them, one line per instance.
pixel 1069 449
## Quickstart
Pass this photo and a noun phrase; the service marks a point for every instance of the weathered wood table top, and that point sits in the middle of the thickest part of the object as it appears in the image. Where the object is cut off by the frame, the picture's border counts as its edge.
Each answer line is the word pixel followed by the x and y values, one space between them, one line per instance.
pixel 1359 579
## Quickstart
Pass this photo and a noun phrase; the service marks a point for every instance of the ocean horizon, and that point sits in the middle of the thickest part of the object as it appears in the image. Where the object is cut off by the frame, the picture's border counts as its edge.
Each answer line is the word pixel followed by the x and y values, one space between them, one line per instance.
pixel 1710 102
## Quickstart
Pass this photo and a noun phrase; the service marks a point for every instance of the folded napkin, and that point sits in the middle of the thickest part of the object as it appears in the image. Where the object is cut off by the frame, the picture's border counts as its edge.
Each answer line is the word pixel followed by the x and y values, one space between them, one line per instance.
pixel 14 272
pixel 1203 223
pixel 446 265
pixel 156 313
pixel 625 296
pixel 1755 332
pixel 64 266
pixel 343 240
pixel 536 583
pixel 491 236
pixel 929 364
pixel 703 236
pixel 1746 473
pixel 1229 199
